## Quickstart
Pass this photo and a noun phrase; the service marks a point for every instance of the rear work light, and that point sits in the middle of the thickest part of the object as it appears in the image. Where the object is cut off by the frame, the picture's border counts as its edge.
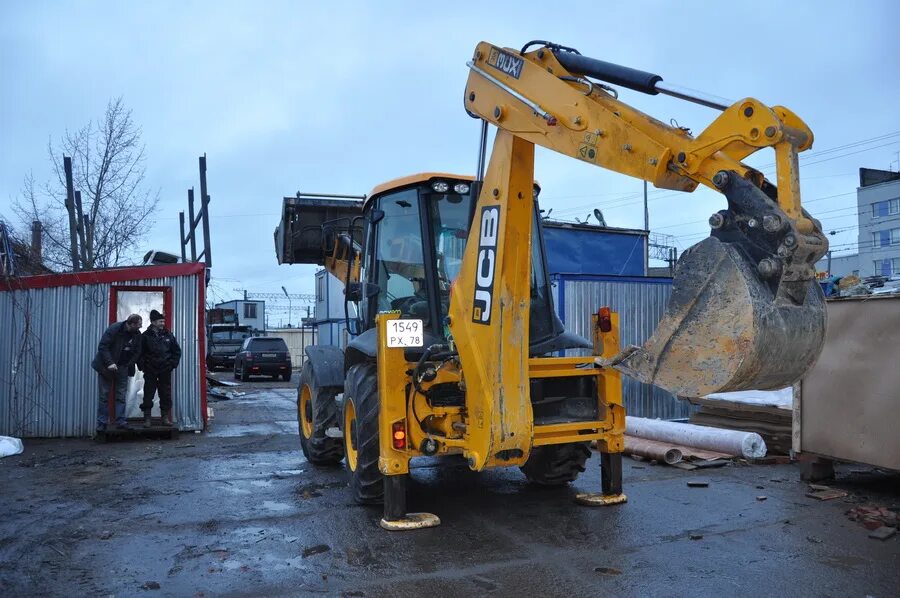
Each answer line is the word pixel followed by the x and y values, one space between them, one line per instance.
pixel 461 188
pixel 398 434
pixel 440 186
pixel 604 319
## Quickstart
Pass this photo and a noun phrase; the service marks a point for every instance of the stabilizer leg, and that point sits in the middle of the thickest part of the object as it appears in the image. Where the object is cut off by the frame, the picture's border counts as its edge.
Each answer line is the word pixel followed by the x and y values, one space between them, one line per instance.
pixel 610 483
pixel 395 516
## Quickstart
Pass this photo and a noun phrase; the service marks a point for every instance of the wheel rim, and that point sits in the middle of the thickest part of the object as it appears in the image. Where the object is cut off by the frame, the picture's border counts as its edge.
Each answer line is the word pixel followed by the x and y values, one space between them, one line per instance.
pixel 304 412
pixel 350 434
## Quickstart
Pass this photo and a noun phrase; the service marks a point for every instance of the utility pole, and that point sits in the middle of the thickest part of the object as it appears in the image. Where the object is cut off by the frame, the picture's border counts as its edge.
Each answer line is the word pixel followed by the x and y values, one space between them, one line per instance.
pixel 829 262
pixel 289 305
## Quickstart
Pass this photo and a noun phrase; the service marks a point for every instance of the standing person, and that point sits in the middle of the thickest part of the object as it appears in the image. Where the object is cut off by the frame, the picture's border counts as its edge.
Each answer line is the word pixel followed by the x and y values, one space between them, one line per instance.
pixel 117 353
pixel 160 355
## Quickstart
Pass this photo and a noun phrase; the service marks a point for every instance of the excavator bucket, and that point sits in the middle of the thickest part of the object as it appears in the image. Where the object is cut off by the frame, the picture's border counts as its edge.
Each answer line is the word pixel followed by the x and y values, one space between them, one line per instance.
pixel 745 312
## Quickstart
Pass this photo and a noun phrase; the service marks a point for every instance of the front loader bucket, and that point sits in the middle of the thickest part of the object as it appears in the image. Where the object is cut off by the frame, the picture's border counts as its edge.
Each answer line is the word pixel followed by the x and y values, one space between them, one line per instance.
pixel 727 327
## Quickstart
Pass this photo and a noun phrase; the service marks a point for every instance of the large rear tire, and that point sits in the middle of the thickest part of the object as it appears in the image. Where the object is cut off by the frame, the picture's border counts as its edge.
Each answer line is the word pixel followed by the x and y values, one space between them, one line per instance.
pixel 556 464
pixel 361 433
pixel 316 413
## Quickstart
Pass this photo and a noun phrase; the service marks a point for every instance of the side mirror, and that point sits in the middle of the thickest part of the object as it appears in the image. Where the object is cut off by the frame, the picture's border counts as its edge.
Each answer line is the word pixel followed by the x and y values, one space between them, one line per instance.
pixel 354 327
pixel 357 291
pixel 353 292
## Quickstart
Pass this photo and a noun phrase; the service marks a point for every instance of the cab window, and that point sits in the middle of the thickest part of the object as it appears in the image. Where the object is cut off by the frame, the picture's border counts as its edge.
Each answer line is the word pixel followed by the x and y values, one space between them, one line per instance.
pixel 399 267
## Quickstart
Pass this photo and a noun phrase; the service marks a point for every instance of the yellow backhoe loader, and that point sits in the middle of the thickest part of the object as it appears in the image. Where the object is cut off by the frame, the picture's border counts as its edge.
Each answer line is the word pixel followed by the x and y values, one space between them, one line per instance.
pixel 448 299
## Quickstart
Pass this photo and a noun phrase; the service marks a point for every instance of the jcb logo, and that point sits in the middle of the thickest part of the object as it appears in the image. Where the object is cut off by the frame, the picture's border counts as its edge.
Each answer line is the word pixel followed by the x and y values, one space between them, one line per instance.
pixel 486 265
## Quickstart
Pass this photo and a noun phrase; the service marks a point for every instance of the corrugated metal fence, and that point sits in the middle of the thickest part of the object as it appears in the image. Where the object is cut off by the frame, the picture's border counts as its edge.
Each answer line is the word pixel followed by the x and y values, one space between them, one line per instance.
pixel 641 303
pixel 297 340
pixel 48 337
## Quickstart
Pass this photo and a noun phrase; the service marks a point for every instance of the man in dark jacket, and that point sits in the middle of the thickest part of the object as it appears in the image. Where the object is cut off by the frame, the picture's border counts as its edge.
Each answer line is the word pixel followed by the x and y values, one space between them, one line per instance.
pixel 160 355
pixel 117 353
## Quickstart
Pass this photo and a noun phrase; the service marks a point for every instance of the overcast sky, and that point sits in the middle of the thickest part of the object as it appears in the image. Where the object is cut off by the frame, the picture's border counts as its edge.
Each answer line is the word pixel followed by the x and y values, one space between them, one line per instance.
pixel 340 96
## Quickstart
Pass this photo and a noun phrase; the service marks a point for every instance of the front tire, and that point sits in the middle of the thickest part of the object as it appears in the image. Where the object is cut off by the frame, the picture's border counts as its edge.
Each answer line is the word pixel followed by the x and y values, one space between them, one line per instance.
pixel 556 464
pixel 361 433
pixel 316 413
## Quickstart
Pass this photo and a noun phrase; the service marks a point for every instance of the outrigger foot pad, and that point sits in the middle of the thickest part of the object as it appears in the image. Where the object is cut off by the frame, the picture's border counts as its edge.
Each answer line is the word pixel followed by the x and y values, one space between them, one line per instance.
pixel 594 499
pixel 411 521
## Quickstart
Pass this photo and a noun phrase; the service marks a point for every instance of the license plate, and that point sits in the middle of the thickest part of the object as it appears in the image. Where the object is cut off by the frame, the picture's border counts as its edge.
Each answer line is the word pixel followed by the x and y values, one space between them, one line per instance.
pixel 405 333
pixel 269 355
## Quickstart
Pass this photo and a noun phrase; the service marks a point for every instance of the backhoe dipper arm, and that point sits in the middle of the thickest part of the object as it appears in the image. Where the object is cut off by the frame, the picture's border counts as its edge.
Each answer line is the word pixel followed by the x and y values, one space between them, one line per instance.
pixel 745 310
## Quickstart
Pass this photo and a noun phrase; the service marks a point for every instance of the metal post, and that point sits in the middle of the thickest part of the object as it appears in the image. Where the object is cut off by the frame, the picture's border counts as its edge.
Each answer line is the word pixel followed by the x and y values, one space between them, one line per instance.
pixel 646 211
pixel 829 262
pixel 475 187
pixel 183 241
pixel 204 210
pixel 70 208
pixel 394 497
pixel 192 234
pixel 289 306
pixel 646 228
pixel 611 473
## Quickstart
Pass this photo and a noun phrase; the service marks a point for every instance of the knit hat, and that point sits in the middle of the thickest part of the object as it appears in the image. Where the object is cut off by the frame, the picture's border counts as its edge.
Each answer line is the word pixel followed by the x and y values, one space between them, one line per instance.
pixel 155 315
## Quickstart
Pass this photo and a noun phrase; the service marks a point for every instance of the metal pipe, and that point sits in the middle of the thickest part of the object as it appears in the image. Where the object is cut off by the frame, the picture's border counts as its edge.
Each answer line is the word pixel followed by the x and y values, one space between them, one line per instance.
pixel 482 151
pixel 300 195
pixel 537 109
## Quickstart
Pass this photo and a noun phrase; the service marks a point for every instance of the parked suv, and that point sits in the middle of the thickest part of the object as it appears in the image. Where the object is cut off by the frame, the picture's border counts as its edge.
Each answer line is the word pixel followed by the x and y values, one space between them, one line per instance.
pixel 223 341
pixel 263 355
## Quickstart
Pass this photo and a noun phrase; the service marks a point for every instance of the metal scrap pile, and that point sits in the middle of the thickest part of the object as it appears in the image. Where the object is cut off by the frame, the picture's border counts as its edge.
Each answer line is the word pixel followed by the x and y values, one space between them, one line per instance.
pixel 853 286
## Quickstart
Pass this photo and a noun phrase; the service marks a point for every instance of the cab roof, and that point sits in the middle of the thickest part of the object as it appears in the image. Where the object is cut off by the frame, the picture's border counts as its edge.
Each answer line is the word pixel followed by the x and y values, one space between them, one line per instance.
pixel 415 179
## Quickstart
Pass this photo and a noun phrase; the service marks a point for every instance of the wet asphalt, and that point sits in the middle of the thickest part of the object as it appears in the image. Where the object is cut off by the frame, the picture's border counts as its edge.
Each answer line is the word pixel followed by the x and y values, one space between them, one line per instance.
pixel 238 511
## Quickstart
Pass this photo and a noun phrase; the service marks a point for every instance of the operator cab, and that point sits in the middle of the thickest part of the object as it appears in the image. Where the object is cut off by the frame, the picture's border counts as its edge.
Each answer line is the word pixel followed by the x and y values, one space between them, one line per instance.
pixel 416 234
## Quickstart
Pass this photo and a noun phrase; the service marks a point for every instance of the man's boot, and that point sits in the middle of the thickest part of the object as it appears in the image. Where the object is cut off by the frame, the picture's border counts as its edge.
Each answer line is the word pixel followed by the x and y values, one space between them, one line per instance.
pixel 148 421
pixel 167 417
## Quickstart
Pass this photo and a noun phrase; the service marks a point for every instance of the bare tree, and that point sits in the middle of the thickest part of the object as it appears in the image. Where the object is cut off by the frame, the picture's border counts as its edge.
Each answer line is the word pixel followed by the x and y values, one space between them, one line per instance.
pixel 112 212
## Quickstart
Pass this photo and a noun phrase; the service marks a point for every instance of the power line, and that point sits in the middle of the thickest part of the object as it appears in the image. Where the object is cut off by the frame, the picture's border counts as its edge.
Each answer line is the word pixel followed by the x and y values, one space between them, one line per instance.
pixel 804 156
pixel 843 147
pixel 307 297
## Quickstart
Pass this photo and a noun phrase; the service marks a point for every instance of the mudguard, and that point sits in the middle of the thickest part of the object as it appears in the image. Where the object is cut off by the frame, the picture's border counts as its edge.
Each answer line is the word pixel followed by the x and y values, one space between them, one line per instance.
pixel 327 365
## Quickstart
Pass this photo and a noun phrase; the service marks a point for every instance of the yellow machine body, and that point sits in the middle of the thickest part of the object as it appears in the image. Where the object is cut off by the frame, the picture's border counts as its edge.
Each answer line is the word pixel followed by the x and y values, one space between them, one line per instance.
pixel 745 312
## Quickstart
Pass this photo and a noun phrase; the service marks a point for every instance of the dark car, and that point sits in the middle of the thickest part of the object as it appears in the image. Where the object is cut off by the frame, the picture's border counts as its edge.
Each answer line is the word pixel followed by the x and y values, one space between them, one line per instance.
pixel 263 355
pixel 223 343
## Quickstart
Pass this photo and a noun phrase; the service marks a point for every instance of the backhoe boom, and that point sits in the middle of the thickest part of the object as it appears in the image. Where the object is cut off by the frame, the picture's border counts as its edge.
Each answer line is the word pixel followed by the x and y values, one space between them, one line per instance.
pixel 752 283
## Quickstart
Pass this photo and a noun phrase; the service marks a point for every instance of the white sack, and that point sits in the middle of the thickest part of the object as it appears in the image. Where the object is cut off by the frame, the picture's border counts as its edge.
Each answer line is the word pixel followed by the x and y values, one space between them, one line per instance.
pixel 10 446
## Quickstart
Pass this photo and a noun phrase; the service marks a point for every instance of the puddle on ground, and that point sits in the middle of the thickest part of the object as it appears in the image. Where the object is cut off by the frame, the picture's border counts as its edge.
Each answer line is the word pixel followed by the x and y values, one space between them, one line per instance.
pixel 271 505
pixel 262 429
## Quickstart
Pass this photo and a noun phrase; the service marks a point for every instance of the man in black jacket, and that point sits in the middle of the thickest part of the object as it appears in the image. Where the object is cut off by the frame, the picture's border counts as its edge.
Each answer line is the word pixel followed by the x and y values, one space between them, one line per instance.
pixel 160 355
pixel 117 353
